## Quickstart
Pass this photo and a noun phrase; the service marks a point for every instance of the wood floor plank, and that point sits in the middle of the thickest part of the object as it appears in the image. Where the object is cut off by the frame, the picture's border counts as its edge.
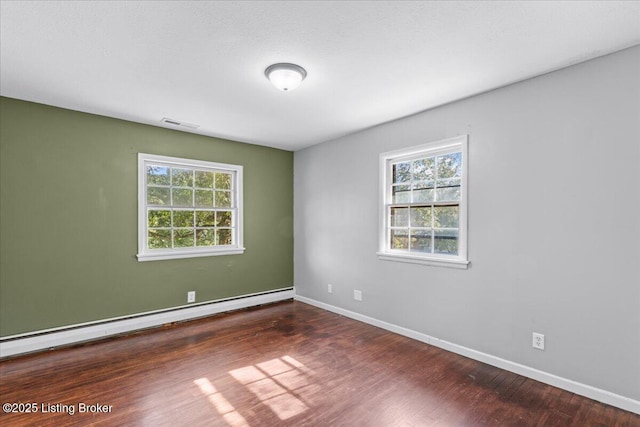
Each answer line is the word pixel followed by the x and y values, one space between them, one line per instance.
pixel 285 364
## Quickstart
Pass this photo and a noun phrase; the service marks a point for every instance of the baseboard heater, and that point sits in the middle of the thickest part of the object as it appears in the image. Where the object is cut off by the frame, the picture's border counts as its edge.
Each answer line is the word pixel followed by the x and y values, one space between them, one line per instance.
pixel 74 334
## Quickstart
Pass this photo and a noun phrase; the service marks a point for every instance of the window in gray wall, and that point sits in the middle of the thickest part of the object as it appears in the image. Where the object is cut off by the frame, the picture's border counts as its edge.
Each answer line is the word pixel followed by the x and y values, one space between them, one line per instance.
pixel 188 208
pixel 423 216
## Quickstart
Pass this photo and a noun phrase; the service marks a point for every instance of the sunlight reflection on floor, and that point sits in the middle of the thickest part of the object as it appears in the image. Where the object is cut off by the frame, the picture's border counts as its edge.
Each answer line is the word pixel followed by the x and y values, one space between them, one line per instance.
pixel 275 382
pixel 222 405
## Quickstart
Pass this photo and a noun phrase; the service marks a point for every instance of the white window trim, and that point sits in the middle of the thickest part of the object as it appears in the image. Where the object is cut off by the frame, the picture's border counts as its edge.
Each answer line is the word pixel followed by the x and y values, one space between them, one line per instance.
pixel 460 261
pixel 145 254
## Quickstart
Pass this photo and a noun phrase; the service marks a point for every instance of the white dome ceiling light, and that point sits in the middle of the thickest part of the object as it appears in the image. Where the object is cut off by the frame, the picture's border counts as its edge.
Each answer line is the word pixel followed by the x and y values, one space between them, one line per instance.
pixel 285 76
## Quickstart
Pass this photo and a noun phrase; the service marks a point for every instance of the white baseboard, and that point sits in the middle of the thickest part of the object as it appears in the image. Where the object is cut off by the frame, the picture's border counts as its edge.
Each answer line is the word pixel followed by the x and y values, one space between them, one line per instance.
pixel 594 393
pixel 41 340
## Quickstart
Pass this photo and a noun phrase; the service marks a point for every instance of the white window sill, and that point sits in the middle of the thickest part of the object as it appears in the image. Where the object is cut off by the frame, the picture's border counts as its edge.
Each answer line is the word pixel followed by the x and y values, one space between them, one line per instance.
pixel 179 254
pixel 432 261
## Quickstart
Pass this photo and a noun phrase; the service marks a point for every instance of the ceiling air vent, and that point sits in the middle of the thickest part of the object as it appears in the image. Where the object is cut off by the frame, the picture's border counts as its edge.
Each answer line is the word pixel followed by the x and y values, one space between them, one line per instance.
pixel 173 122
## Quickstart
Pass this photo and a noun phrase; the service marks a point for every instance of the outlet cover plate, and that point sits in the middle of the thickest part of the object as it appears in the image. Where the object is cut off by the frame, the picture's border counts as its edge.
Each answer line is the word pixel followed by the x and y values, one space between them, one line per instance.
pixel 357 295
pixel 538 341
pixel 191 296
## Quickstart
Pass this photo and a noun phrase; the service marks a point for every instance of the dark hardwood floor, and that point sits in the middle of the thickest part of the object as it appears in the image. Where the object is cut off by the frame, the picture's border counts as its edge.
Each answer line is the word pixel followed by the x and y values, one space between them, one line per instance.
pixel 286 364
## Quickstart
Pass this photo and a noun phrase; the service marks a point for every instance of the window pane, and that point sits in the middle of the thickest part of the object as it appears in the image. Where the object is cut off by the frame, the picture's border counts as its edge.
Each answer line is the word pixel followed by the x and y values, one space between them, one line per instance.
pixel 158 196
pixel 419 185
pixel 399 217
pixel 448 182
pixel 183 237
pixel 158 175
pixel 446 242
pixel 224 236
pixel 399 239
pixel 400 194
pixel 223 181
pixel 421 217
pixel 159 239
pixel 204 179
pixel 224 218
pixel 223 199
pixel 183 218
pixel 421 240
pixel 423 195
pixel 423 169
pixel 449 172
pixel 446 216
pixel 205 218
pixel 159 218
pixel 449 165
pixel 401 172
pixel 204 198
pixel 448 194
pixel 182 177
pixel 182 197
pixel 205 237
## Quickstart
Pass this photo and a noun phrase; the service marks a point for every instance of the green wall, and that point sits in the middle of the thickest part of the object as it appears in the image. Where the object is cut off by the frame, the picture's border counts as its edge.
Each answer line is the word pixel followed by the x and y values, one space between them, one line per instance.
pixel 68 217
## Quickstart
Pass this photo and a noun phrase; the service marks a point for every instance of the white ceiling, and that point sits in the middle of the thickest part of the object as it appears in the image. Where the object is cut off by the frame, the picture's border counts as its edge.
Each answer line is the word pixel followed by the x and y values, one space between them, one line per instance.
pixel 202 62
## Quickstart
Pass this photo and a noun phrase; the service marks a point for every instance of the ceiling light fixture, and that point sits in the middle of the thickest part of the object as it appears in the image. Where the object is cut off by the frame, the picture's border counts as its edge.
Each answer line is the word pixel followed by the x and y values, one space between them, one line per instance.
pixel 285 76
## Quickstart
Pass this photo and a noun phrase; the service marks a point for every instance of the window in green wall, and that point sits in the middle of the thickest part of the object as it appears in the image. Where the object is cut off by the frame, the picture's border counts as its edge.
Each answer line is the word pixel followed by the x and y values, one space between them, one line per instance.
pixel 188 208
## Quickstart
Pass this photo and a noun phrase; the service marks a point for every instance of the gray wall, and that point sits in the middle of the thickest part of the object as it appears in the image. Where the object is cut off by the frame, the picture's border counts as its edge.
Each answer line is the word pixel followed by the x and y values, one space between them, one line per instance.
pixel 554 229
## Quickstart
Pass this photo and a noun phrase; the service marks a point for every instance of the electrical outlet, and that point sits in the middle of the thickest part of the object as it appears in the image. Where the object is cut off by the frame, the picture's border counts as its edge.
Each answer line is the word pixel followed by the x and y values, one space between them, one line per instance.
pixel 357 295
pixel 330 288
pixel 191 296
pixel 538 341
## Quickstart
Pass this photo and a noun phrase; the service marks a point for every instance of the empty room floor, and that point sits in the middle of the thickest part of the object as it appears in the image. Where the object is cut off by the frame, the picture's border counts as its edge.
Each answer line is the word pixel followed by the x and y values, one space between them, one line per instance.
pixel 284 364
